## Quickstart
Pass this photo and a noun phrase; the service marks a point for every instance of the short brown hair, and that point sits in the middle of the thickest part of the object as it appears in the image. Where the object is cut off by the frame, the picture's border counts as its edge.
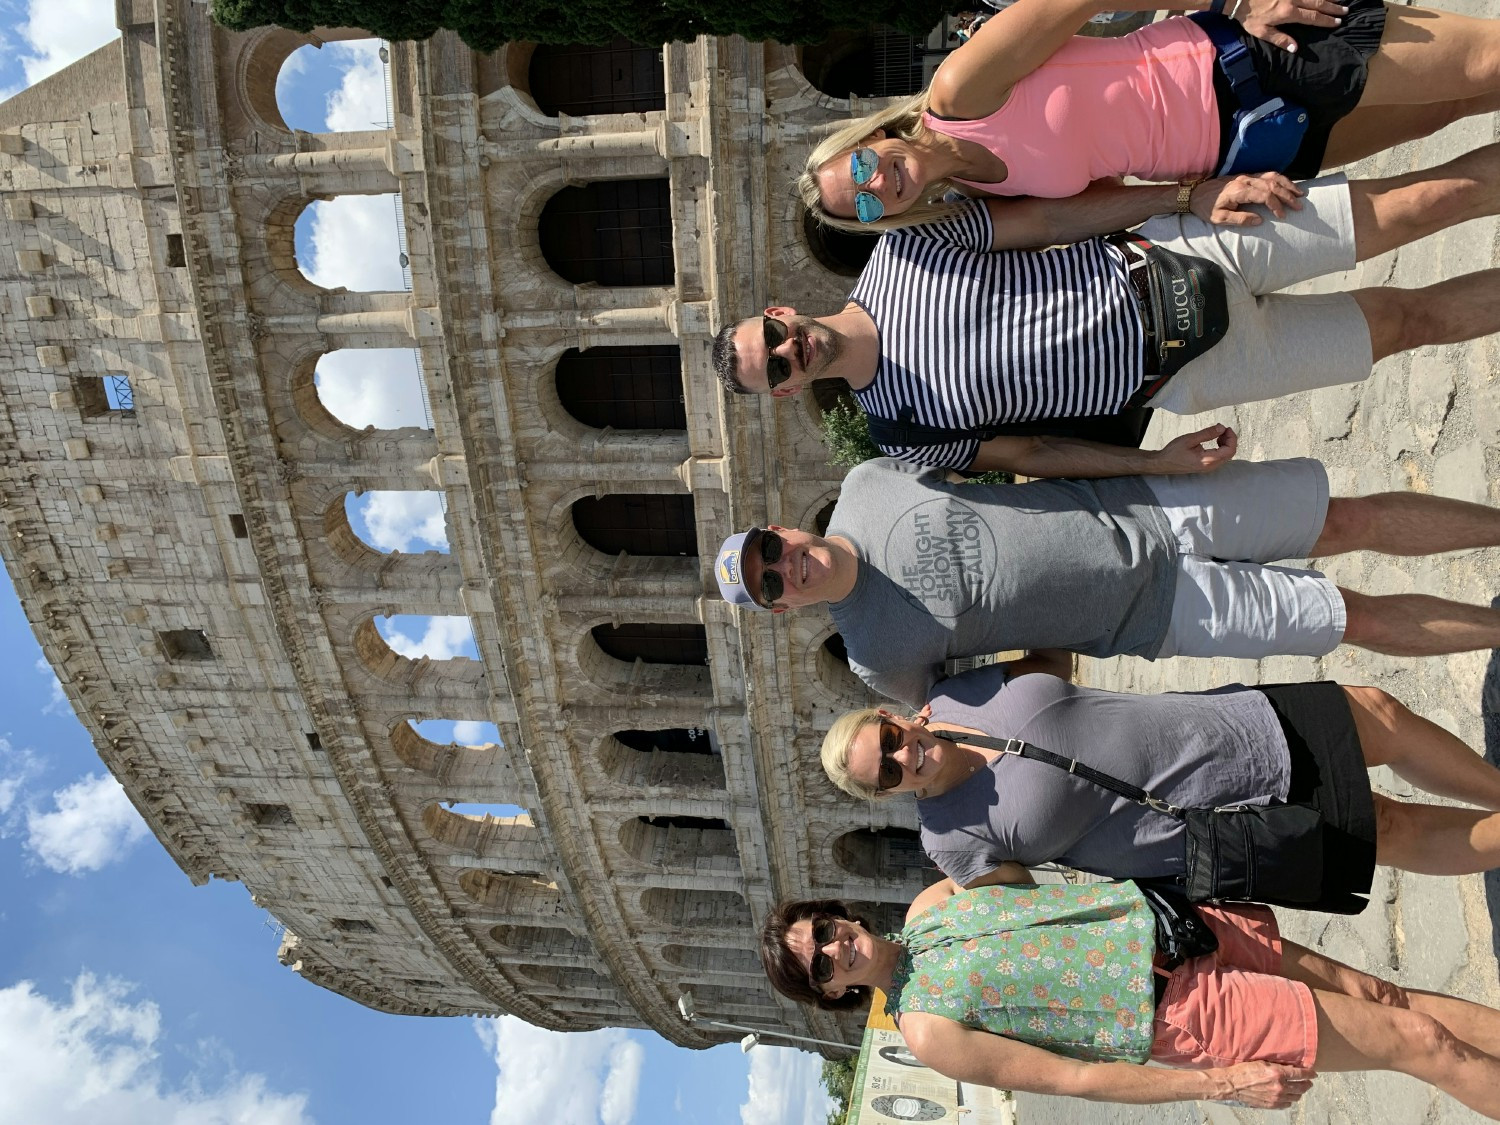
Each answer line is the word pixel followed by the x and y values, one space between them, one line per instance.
pixel 785 972
pixel 726 361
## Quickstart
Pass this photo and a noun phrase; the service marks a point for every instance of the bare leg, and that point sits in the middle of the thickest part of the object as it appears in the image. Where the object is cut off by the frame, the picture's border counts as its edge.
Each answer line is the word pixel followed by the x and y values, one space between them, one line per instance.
pixel 1471 1022
pixel 1420 751
pixel 1406 523
pixel 1418 624
pixel 1431 56
pixel 1393 210
pixel 1356 1034
pixel 1434 839
pixel 1461 308
pixel 1372 129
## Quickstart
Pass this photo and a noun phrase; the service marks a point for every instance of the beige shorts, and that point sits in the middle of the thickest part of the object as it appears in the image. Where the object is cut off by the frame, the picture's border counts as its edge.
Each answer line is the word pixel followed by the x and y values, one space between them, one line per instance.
pixel 1277 343
pixel 1229 525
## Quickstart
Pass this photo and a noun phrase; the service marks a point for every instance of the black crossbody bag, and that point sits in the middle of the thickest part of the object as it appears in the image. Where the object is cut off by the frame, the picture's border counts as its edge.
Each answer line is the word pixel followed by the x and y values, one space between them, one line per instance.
pixel 1127 428
pixel 1234 853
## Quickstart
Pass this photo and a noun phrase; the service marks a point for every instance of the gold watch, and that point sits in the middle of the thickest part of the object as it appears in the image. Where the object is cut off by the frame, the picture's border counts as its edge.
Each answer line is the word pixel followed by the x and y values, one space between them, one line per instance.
pixel 1185 195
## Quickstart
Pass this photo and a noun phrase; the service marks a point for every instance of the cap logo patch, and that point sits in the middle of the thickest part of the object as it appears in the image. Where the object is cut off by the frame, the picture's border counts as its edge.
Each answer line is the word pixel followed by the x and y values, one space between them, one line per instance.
pixel 729 567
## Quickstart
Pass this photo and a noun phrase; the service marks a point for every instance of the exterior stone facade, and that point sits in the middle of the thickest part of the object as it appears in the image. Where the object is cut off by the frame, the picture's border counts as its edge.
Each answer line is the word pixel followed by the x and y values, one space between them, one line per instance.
pixel 186 560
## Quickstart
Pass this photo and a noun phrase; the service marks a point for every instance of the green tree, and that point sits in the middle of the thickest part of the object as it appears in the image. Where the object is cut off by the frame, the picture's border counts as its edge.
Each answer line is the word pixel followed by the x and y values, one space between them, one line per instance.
pixel 486 24
pixel 838 1080
pixel 846 432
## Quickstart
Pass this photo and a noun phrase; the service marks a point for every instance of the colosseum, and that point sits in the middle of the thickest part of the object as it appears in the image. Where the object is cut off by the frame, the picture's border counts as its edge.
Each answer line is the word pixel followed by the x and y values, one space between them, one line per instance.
pixel 176 497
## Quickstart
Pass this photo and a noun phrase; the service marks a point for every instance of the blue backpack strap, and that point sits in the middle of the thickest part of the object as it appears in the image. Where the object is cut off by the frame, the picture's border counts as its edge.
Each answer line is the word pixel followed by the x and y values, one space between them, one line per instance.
pixel 1234 57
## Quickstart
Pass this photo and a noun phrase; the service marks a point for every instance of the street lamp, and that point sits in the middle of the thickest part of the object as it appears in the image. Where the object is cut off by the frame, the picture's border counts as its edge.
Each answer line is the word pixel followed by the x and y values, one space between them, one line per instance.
pixel 690 1015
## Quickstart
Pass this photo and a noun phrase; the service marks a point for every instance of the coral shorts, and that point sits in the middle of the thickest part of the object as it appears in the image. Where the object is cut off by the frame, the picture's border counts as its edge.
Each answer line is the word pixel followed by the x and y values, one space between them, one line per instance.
pixel 1231 1006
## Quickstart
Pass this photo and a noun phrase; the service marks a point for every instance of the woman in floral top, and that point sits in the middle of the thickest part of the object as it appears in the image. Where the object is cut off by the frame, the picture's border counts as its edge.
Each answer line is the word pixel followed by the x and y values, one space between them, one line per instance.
pixel 1058 990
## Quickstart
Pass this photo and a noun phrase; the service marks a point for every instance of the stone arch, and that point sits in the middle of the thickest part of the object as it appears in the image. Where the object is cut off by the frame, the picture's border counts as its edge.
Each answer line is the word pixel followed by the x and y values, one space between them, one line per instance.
pixel 612 673
pixel 881 854
pixel 630 387
pixel 525 894
pixel 308 398
pixel 426 756
pixel 705 959
pixel 377 226
pixel 697 910
pixel 566 980
pixel 281 247
pixel 816 515
pixel 545 941
pixel 613 233
pixel 687 843
pixel 664 575
pixel 874 62
pixel 839 252
pixel 830 674
pixel 389 666
pixel 263 52
pixel 316 63
pixel 679 757
pixel 581 80
pixel 481 835
pixel 337 522
pixel 638 523
pixel 654 642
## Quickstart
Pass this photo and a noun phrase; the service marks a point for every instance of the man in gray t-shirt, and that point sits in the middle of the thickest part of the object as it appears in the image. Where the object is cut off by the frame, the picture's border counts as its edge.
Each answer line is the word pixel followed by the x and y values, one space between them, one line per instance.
pixel 918 570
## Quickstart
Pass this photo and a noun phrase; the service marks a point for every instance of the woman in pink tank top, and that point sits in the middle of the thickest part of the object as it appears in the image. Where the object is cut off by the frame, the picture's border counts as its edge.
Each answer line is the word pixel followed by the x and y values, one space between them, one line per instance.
pixel 1027 108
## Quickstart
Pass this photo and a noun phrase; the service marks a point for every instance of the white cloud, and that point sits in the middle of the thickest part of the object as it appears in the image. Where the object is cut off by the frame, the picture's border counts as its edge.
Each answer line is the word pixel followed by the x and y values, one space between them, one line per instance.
pixel 443 638
pixel 359 100
pixel 57 700
pixel 378 387
pixel 93 825
pixel 17 767
pixel 59 32
pixel 91 1058
pixel 467 732
pixel 785 1086
pixel 404 521
pixel 578 1078
pixel 353 243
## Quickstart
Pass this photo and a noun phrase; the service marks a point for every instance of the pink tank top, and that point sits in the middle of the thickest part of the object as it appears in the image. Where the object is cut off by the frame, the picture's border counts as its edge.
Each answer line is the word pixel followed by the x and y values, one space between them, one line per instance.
pixel 1140 105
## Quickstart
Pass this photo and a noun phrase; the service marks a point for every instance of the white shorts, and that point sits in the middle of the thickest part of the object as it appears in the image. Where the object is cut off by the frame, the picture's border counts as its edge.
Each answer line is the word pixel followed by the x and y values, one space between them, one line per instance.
pixel 1277 343
pixel 1229 525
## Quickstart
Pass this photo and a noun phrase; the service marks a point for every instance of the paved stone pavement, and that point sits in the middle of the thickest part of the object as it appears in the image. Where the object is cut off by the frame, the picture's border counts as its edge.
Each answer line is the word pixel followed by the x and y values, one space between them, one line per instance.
pixel 1428 421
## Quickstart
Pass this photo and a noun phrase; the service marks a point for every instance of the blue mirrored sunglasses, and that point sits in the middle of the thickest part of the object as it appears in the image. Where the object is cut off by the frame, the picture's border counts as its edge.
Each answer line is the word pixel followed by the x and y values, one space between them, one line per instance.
pixel 862 165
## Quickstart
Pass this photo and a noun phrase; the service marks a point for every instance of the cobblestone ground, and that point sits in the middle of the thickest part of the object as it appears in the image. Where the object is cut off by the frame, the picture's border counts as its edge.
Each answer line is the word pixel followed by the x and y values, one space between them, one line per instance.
pixel 1427 421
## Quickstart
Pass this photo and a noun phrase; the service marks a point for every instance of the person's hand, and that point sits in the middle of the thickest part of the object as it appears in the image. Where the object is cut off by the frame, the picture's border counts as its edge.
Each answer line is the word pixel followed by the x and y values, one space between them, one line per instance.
pixel 1223 200
pixel 1266 1085
pixel 1192 453
pixel 1261 17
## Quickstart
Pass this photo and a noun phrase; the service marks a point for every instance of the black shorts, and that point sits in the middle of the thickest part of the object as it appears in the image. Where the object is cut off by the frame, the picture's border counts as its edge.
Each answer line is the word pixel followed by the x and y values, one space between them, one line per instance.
pixel 1328 773
pixel 1326 77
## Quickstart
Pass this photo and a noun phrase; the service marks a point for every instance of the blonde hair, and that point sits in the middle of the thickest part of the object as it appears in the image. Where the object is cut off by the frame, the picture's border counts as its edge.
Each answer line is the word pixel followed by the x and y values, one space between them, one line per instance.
pixel 902 121
pixel 835 753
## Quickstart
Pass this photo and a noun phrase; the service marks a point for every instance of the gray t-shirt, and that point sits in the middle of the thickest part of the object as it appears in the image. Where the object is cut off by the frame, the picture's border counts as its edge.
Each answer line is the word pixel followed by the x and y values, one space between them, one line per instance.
pixel 949 570
pixel 1192 748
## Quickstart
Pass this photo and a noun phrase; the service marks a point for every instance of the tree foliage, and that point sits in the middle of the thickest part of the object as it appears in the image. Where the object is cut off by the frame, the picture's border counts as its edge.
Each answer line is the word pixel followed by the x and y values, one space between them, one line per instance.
pixel 838 1080
pixel 486 24
pixel 846 432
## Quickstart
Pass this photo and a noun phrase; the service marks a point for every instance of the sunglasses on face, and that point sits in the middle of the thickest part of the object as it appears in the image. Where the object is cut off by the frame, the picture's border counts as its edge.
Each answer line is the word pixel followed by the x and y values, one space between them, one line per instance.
pixel 824 930
pixel 771 585
pixel 891 740
pixel 862 165
pixel 778 367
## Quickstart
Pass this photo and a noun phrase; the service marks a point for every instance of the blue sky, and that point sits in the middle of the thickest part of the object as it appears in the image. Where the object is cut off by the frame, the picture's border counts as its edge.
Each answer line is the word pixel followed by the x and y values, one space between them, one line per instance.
pixel 130 997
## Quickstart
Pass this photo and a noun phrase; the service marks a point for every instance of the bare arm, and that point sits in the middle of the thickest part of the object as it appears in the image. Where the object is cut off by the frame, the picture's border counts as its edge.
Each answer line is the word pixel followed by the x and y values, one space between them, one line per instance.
pixel 1023 223
pixel 985 1059
pixel 1007 873
pixel 1049 661
pixel 1073 457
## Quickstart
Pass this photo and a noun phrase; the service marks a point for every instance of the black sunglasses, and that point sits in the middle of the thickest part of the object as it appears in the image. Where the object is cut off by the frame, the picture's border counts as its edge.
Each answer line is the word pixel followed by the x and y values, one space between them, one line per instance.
pixel 891 739
pixel 771 585
pixel 824 930
pixel 778 368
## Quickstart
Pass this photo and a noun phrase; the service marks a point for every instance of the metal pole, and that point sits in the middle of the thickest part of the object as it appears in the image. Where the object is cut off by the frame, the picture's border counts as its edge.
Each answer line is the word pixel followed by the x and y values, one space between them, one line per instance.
pixel 773 1034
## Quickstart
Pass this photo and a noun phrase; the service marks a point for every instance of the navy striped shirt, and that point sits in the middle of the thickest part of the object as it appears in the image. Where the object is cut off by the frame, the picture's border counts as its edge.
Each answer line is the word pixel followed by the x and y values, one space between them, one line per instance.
pixel 971 336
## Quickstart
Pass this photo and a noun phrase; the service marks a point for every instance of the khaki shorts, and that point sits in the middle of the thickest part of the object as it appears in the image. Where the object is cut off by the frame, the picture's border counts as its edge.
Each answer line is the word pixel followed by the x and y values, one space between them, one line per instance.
pixel 1229 525
pixel 1233 1005
pixel 1277 343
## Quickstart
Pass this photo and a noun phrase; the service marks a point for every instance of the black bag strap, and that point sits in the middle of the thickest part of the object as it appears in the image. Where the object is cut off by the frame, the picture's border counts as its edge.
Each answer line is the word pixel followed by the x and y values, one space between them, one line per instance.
pixel 1125 428
pixel 1073 766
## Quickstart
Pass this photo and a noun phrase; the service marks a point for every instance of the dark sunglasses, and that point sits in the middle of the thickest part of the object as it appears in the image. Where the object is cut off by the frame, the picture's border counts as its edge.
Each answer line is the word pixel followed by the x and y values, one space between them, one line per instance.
pixel 824 930
pixel 771 585
pixel 891 773
pixel 862 165
pixel 778 367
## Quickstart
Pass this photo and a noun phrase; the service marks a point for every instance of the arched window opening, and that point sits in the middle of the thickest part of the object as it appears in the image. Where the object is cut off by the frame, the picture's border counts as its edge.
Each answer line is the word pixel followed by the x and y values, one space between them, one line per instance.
pixel 881 853
pixel 629 388
pixel 698 910
pixel 352 242
pixel 458 732
pixel 410 522
pixel 679 841
pixel 565 980
pixel 654 643
pixel 548 941
pixel 839 251
pixel 834 646
pixel 581 79
pixel 824 516
pixel 380 387
pixel 522 893
pixel 711 960
pixel 338 87
pixel 874 63
pixel 638 523
pixel 479 810
pixel 413 635
pixel 610 232
pixel 683 756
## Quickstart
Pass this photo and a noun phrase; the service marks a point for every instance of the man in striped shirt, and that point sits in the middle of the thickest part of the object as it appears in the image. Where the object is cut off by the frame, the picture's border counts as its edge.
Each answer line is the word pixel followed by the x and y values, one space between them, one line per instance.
pixel 951 326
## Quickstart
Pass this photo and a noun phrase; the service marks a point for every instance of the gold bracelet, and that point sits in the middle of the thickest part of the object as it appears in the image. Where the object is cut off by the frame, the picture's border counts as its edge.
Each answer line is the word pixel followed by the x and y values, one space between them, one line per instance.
pixel 1185 195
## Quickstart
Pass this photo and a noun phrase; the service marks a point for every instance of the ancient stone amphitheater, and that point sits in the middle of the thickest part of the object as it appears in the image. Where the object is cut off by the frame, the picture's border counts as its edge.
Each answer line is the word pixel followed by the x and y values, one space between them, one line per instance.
pixel 173 492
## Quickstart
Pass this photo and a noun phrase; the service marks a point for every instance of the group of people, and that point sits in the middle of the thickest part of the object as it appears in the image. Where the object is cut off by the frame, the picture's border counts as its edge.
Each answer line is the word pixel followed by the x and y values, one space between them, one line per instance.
pixel 971 347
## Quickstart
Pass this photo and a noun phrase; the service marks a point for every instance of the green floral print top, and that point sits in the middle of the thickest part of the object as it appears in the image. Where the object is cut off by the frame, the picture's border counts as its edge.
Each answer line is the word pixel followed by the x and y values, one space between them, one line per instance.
pixel 1063 967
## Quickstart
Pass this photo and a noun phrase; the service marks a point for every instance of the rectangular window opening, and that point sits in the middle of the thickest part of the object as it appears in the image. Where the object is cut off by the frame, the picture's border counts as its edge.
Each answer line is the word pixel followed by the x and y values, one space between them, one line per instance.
pixel 237 525
pixel 185 644
pixel 176 255
pixel 313 741
pixel 353 926
pixel 271 816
